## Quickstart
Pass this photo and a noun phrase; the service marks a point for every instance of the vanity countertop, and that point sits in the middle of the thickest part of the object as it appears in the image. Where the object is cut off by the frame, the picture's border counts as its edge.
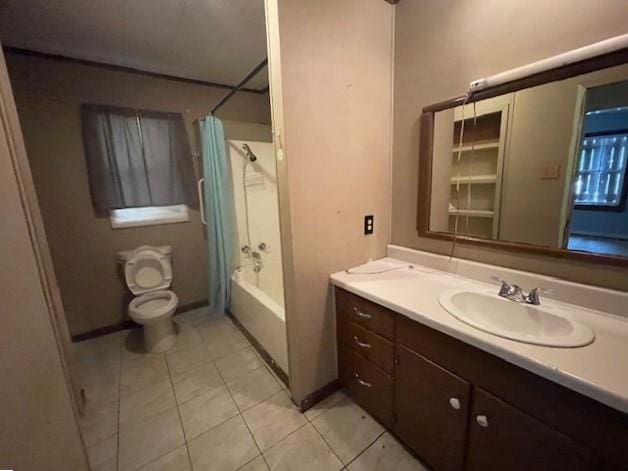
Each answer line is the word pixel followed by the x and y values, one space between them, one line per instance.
pixel 598 370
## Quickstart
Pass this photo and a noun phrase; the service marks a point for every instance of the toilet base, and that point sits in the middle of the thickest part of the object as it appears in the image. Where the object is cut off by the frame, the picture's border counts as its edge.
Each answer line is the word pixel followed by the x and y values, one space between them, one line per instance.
pixel 159 336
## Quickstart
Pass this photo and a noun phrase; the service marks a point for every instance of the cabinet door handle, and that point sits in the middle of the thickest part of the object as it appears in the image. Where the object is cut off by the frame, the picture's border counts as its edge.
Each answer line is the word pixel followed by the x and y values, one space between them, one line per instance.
pixel 454 402
pixel 361 344
pixel 482 420
pixel 361 314
pixel 362 382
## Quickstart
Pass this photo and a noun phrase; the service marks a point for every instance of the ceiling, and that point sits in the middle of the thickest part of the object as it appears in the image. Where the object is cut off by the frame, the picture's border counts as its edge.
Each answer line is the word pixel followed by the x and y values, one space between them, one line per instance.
pixel 210 40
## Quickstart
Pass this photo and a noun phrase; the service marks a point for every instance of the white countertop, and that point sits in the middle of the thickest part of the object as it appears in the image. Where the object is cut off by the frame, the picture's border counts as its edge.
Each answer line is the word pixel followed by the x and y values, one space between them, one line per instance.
pixel 598 370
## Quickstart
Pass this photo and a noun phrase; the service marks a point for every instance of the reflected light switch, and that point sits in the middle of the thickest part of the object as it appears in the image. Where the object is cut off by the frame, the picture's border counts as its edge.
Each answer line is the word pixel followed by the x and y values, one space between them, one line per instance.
pixel 550 172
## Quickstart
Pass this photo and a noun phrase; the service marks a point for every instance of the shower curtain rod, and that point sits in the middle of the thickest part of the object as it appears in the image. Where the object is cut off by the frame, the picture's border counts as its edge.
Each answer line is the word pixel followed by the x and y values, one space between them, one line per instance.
pixel 239 86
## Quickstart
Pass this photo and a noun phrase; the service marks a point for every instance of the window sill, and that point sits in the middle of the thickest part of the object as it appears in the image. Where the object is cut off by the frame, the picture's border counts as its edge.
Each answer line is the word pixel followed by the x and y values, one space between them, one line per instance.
pixel 148 216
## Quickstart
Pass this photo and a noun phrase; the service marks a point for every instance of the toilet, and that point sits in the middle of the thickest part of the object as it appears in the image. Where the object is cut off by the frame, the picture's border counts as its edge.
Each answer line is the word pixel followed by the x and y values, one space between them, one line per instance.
pixel 148 274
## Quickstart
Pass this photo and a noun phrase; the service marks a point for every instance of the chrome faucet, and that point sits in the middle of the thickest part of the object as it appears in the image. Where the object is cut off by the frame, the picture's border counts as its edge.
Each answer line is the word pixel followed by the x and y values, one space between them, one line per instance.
pixel 514 293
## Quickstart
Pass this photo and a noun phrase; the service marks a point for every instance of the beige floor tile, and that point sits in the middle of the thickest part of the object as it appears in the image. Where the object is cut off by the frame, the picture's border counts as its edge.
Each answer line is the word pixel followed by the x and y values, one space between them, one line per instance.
pixel 386 455
pixel 193 316
pixel 188 337
pixel 304 450
pixel 99 349
pixel 223 345
pixel 177 460
pixel 273 419
pixel 144 442
pixel 100 386
pixel 103 456
pixel 325 404
pixel 134 352
pixel 147 402
pixel 253 387
pixel 258 464
pixel 238 364
pixel 181 361
pixel 206 411
pixel 143 376
pixel 195 382
pixel 213 330
pixel 348 429
pixel 99 422
pixel 225 447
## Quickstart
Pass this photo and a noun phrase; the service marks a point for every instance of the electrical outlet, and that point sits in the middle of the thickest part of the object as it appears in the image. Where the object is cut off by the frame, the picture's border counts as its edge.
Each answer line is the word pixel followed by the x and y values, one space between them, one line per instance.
pixel 369 223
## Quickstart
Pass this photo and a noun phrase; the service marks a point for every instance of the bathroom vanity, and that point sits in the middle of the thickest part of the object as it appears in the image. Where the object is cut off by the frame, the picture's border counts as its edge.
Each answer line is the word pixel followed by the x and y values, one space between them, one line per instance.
pixel 465 399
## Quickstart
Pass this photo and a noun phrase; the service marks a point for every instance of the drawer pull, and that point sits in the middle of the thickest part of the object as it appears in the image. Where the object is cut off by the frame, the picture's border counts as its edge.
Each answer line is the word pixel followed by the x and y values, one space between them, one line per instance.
pixel 455 403
pixel 362 382
pixel 361 344
pixel 361 314
pixel 482 421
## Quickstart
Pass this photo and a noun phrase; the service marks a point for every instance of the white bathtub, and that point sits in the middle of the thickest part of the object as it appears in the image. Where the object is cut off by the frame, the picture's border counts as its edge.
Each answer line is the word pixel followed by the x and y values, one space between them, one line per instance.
pixel 263 316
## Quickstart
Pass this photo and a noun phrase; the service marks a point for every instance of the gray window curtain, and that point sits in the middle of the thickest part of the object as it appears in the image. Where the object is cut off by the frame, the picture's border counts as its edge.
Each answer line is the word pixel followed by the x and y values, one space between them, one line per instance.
pixel 137 158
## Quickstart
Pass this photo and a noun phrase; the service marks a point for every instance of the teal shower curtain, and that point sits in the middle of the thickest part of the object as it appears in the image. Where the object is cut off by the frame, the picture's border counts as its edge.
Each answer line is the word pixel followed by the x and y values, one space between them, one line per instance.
pixel 220 212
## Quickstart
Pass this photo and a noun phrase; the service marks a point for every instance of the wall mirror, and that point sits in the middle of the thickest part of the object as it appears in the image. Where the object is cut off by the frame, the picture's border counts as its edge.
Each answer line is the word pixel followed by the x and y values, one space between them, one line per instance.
pixel 537 165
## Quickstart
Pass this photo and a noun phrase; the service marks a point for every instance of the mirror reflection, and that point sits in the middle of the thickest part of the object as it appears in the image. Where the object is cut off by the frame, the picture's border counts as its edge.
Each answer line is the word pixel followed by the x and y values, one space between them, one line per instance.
pixel 544 165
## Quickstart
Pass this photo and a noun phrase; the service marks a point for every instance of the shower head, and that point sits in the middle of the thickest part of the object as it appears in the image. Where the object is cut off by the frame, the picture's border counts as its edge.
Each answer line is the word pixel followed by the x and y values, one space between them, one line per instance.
pixel 249 153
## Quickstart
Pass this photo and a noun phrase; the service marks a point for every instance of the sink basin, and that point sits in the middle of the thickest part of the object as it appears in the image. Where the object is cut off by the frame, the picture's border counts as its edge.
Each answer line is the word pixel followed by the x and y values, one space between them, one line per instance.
pixel 539 325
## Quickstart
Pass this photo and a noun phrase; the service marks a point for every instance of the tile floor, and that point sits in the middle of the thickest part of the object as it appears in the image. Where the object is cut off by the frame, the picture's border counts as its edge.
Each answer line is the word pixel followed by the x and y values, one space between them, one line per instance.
pixel 211 403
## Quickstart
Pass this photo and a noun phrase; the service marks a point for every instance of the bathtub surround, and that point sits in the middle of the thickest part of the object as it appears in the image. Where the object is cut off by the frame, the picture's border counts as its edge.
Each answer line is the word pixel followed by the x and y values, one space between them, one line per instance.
pixel 49 95
pixel 257 294
pixel 503 42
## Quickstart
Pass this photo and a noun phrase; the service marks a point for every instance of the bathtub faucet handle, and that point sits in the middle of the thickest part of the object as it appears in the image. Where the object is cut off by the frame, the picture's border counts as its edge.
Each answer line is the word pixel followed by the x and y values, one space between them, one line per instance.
pixel 245 249
pixel 262 246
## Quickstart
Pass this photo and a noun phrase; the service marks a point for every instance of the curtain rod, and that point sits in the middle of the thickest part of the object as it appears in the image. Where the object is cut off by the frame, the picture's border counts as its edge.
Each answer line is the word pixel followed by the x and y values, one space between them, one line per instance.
pixel 237 88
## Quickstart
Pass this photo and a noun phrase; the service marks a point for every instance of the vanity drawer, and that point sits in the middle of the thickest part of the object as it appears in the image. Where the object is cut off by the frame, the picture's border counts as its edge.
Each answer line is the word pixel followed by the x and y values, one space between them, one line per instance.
pixel 370 387
pixel 370 345
pixel 365 313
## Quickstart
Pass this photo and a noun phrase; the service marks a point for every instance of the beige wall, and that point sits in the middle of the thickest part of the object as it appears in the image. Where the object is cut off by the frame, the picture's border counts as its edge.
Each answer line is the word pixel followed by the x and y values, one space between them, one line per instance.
pixel 440 45
pixel 39 428
pixel 335 76
pixel 48 95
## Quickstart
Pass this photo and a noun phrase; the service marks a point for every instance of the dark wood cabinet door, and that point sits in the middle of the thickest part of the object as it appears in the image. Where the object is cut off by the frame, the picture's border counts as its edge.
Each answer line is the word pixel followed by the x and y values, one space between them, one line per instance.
pixel 432 407
pixel 370 387
pixel 502 437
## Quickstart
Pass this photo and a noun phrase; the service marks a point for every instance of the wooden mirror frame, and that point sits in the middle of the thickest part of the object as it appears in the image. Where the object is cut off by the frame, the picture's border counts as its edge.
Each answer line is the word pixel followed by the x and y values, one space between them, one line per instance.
pixel 426 138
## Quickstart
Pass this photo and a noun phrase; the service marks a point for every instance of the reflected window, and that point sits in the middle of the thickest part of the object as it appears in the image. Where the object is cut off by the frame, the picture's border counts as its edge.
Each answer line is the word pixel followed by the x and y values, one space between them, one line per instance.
pixel 600 179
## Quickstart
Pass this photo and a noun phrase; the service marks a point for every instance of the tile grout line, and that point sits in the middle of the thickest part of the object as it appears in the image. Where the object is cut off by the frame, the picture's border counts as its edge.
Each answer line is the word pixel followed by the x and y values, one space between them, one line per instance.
pixel 177 405
pixel 325 441
pixel 238 408
pixel 367 447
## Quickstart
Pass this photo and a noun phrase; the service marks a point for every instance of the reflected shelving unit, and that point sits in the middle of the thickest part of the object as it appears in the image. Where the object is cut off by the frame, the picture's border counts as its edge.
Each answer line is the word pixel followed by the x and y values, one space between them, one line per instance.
pixel 476 170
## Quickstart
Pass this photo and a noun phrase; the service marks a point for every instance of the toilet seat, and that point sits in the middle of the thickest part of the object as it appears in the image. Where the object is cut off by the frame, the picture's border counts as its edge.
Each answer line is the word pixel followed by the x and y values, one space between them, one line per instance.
pixel 147 270
pixel 153 306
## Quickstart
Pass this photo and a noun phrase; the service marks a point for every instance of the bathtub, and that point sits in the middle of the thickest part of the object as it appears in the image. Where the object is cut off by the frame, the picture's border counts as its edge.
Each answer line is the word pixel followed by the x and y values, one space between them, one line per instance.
pixel 260 310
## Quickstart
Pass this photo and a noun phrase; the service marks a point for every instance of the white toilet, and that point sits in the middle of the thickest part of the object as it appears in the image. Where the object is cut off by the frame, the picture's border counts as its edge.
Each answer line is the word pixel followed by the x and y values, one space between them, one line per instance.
pixel 148 274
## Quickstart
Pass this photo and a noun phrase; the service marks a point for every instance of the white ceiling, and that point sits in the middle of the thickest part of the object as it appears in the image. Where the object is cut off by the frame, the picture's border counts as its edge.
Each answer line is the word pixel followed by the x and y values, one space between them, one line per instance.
pixel 210 40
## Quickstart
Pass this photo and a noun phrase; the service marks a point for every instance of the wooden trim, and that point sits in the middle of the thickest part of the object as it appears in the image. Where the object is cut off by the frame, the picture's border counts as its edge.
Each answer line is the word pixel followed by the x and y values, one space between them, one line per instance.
pixel 392 2
pixel 317 396
pixel 281 374
pixel 426 140
pixel 129 324
pixel 131 70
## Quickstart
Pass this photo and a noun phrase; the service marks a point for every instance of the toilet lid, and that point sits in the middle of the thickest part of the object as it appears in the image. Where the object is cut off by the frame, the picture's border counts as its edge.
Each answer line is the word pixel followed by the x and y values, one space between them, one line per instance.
pixel 147 270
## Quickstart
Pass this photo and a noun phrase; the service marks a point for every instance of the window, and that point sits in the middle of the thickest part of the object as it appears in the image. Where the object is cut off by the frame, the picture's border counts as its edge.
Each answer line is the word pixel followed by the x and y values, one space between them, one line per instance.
pixel 148 215
pixel 139 165
pixel 601 175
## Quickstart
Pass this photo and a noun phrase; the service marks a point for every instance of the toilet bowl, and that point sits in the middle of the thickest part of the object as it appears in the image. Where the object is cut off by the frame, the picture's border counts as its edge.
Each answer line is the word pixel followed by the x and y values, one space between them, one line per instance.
pixel 148 274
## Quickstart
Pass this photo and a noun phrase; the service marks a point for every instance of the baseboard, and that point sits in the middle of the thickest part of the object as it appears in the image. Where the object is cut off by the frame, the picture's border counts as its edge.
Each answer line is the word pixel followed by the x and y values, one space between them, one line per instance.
pixel 317 396
pixel 281 374
pixel 129 324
